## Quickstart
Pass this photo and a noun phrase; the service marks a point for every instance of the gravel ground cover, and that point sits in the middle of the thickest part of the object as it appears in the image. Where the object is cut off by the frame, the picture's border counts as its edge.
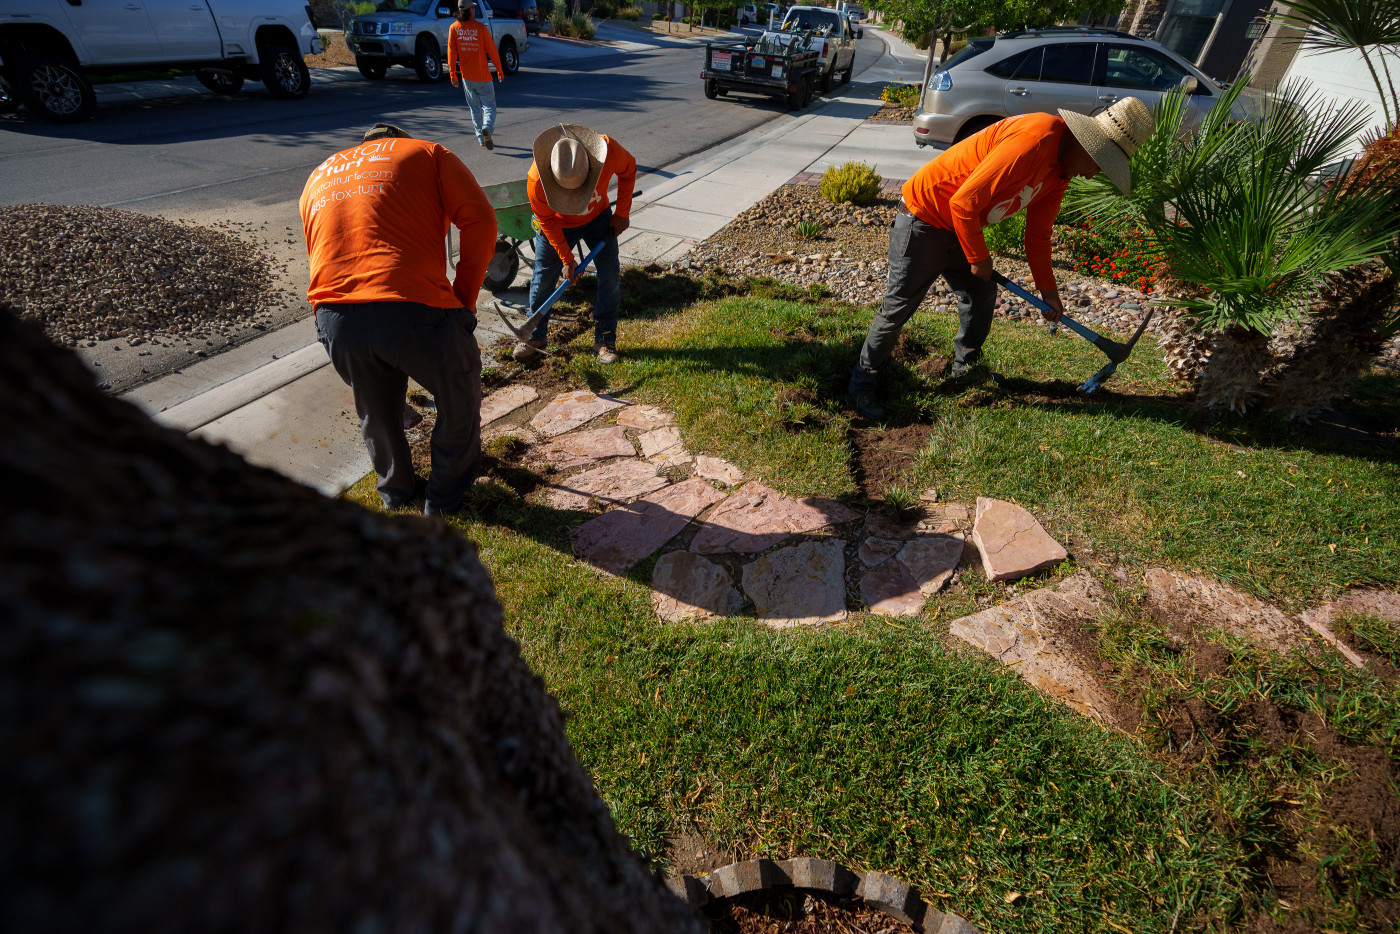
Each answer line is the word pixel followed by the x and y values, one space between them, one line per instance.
pixel 86 274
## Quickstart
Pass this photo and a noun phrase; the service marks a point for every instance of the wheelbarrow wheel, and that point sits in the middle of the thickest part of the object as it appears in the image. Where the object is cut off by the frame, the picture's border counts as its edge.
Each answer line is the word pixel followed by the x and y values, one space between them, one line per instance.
pixel 505 263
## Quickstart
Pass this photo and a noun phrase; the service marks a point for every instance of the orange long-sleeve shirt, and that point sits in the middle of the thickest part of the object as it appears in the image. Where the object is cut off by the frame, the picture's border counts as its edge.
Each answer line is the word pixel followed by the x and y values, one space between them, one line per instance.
pixel 469 45
pixel 619 162
pixel 376 216
pixel 1010 166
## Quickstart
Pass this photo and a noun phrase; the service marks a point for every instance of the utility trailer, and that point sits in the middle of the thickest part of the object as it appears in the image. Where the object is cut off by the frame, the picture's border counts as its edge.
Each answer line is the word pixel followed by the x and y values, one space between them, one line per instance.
pixel 777 64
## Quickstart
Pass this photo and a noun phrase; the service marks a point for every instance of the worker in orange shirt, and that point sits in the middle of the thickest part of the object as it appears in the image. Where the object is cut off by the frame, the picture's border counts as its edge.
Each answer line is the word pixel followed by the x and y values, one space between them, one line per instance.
pixel 568 190
pixel 469 47
pixel 375 217
pixel 1022 163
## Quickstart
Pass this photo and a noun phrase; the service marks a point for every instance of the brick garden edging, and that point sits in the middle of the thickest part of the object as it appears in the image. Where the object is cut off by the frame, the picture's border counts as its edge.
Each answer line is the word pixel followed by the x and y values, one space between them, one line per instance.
pixel 879 890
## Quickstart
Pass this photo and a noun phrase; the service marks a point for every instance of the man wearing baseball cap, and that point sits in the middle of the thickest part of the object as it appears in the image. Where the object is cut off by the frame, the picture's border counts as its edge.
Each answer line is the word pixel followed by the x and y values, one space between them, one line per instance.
pixel 1021 163
pixel 568 190
pixel 375 216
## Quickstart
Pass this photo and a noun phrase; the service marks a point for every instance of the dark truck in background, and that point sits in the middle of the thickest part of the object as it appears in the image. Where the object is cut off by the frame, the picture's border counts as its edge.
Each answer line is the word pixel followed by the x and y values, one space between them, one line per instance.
pixel 777 65
pixel 48 48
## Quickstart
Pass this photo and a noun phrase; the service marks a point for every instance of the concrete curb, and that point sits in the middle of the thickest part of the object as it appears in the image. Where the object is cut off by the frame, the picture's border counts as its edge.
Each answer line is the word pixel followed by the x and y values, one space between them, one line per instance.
pixel 879 890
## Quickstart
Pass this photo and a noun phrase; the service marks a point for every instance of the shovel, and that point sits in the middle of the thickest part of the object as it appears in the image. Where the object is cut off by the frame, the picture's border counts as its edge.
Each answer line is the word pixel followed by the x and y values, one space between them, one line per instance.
pixel 523 332
pixel 1115 351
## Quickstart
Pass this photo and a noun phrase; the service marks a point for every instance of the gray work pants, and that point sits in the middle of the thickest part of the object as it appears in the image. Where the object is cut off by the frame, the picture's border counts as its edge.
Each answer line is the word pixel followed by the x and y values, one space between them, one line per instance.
pixel 919 254
pixel 376 347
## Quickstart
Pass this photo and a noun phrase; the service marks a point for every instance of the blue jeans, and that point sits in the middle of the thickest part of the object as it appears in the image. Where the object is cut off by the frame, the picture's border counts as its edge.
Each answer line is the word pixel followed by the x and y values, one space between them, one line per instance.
pixel 549 267
pixel 481 100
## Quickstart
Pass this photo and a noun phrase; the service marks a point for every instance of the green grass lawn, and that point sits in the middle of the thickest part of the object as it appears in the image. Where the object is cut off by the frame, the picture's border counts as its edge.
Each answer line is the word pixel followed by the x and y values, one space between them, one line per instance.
pixel 871 742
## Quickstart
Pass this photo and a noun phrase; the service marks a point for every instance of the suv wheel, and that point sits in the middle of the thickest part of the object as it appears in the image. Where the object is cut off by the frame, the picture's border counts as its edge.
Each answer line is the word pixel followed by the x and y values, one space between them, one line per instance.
pixel 220 81
pixel 284 72
pixel 371 69
pixel 55 89
pixel 975 125
pixel 427 60
pixel 510 58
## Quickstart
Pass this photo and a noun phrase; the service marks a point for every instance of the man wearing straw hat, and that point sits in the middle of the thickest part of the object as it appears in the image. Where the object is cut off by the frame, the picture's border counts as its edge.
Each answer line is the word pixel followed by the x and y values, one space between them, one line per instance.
pixel 374 217
pixel 1021 163
pixel 568 190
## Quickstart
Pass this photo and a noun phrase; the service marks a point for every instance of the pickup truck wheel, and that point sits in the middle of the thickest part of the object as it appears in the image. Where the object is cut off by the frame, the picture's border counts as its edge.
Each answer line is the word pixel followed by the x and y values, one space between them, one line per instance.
pixel 510 58
pixel 284 72
pixel 846 75
pixel 827 78
pixel 427 60
pixel 505 263
pixel 371 69
pixel 220 81
pixel 711 88
pixel 55 89
pixel 9 100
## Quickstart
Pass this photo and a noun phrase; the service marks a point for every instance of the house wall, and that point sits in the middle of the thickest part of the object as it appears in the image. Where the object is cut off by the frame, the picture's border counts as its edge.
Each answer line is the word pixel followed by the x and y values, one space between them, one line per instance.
pixel 1226 51
pixel 1271 55
pixel 1342 77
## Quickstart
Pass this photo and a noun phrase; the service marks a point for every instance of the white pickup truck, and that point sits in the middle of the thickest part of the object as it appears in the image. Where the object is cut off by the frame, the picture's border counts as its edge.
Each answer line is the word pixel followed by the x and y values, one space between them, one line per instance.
pixel 414 33
pixel 831 36
pixel 49 47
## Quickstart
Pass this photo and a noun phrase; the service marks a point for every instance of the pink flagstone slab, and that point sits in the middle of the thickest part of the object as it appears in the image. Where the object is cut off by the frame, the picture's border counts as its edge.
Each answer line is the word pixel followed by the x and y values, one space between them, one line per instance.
pixel 931 560
pixel 624 535
pixel 1189 601
pixel 1011 542
pixel 687 586
pixel 755 518
pixel 569 410
pixel 1382 604
pixel 891 591
pixel 586 447
pixel 1026 634
pixel 617 482
pixel 876 551
pixel 644 417
pixel 503 401
pixel 717 469
pixel 662 446
pixel 801 585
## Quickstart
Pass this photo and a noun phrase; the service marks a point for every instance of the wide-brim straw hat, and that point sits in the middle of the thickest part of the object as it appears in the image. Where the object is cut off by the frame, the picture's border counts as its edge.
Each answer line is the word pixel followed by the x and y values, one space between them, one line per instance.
pixel 1113 136
pixel 569 195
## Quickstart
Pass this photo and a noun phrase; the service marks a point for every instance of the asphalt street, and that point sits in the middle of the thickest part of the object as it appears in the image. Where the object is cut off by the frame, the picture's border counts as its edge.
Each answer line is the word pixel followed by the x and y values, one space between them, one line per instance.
pixel 242 160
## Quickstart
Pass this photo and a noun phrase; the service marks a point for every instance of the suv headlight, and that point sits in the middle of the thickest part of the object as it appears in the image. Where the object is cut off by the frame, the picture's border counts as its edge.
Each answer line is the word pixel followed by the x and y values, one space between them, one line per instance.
pixel 402 27
pixel 941 81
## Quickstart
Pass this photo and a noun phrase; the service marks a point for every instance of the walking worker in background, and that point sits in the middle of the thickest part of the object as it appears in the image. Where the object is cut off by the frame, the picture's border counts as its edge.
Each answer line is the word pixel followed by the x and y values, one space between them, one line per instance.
pixel 568 190
pixel 469 46
pixel 375 216
pixel 1020 163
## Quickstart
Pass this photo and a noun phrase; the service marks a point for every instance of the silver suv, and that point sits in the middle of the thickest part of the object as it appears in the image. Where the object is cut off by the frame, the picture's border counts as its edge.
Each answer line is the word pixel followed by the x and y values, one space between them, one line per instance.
pixel 1043 70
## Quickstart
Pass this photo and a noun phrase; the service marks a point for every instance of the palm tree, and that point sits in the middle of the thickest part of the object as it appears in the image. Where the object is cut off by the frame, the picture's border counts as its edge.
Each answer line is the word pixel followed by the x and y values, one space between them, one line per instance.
pixel 1370 27
pixel 1254 238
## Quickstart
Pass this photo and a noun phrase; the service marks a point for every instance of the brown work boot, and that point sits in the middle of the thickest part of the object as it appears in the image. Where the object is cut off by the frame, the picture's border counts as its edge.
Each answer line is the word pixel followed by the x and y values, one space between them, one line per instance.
pixel 486 139
pixel 528 351
pixel 607 354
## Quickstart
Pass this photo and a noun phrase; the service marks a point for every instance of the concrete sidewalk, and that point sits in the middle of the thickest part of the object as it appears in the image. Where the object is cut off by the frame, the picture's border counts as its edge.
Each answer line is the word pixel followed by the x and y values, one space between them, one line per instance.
pixel 278 403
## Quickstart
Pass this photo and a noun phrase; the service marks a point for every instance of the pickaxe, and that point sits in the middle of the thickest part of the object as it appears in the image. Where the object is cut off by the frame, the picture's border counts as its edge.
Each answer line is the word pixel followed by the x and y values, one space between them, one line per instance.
pixel 1116 352
pixel 523 332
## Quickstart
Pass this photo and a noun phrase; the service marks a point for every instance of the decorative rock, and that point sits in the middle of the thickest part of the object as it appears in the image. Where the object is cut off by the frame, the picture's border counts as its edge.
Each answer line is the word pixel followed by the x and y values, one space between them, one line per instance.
pixel 931 560
pixel 820 874
pixel 1023 633
pixel 893 897
pixel 690 890
pixel 503 401
pixel 587 447
pixel 1199 601
pixel 749 876
pixel 662 446
pixel 569 410
pixel 1011 542
pixel 890 590
pixel 799 586
pixel 621 537
pixel 1379 603
pixel 948 923
pixel 717 469
pixel 645 417
pixel 757 517
pixel 614 483
pixel 874 552
pixel 687 586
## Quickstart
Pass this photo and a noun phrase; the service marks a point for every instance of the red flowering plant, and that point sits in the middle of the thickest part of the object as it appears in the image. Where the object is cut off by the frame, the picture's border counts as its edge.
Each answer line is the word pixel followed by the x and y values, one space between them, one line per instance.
pixel 1116 251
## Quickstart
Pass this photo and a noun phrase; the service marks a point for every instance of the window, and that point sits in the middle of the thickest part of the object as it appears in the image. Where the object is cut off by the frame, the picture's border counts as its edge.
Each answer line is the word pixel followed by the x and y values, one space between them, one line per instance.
pixel 1140 68
pixel 1008 67
pixel 1071 63
pixel 820 21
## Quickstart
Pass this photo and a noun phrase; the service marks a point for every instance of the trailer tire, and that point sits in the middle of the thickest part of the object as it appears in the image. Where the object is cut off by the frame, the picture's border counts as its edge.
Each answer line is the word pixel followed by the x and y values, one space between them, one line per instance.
pixel 806 90
pixel 505 263
pixel 371 69
pixel 711 88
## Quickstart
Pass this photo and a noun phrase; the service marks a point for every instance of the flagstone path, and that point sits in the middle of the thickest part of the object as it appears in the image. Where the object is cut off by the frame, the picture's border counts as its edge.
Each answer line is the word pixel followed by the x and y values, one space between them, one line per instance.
pixel 729 545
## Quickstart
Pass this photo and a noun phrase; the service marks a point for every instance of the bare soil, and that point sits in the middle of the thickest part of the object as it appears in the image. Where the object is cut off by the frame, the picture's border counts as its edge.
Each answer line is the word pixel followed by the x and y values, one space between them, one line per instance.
pixel 798 911
pixel 336 53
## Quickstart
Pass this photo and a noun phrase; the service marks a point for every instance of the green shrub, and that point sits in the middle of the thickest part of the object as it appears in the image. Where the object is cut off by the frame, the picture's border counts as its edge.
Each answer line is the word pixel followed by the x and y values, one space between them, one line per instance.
pixel 604 9
pixel 725 21
pixel 629 13
pixel 583 27
pixel 1008 236
pixel 546 8
pixel 809 230
pixel 657 16
pixel 855 182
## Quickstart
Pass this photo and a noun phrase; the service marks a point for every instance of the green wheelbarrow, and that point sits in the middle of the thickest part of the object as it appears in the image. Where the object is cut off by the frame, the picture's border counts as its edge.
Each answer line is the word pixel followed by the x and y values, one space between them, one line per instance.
pixel 513 228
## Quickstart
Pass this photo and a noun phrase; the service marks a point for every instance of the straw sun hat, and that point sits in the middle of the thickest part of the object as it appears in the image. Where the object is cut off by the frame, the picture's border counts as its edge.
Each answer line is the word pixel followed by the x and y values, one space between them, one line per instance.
pixel 570 159
pixel 1113 136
